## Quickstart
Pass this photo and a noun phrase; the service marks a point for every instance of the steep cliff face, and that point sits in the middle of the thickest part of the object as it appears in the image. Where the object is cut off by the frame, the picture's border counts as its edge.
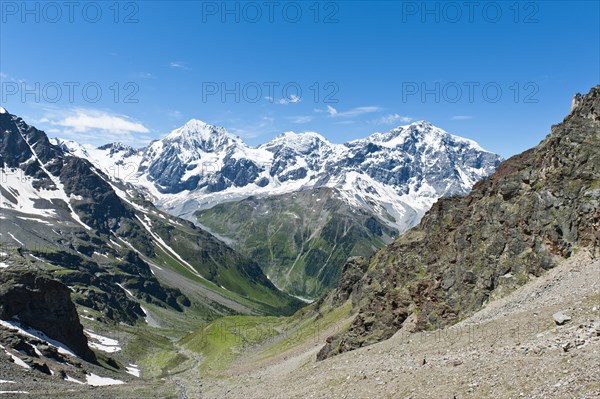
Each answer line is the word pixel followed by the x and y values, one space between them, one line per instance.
pixel 537 208
pixel 37 301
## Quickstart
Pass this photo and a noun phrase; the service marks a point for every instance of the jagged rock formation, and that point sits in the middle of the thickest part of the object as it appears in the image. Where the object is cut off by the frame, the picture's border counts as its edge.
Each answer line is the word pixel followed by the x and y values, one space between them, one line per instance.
pixel 538 207
pixel 40 302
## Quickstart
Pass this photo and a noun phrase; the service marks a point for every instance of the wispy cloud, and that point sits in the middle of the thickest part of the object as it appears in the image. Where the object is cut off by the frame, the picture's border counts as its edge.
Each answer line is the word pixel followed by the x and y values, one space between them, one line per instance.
pixel 179 65
pixel 461 117
pixel 3 75
pixel 353 111
pixel 93 126
pixel 301 119
pixel 146 75
pixel 293 99
pixel 252 130
pixel 391 119
pixel 174 114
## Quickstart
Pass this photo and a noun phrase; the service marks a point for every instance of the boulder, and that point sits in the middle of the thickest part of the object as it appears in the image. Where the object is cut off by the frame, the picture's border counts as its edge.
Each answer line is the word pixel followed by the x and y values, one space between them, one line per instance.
pixel 39 302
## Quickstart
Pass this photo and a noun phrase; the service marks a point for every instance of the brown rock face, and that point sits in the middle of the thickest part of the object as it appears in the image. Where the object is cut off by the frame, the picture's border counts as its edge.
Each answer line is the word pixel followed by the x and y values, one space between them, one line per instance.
pixel 43 304
pixel 537 208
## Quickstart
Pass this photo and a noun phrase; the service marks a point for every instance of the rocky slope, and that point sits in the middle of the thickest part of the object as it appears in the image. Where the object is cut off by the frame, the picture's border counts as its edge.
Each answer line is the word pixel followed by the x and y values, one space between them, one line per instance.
pixel 302 239
pixel 510 349
pixel 539 207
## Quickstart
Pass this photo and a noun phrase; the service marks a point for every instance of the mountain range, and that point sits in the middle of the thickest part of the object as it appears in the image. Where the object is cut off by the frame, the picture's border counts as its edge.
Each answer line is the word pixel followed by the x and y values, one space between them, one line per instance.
pixel 395 175
pixel 109 244
pixel 372 189
pixel 84 250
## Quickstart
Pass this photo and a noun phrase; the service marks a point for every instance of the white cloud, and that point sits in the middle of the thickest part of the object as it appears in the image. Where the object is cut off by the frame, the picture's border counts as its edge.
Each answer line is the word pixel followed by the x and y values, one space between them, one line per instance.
pixel 391 119
pixel 301 119
pixel 353 111
pixel 179 65
pixel 293 99
pixel 461 117
pixel 84 120
pixel 3 75
pixel 175 114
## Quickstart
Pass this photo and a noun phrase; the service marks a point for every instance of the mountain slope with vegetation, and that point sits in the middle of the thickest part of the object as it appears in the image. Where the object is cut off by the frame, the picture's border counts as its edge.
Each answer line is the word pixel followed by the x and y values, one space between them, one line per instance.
pixel 301 240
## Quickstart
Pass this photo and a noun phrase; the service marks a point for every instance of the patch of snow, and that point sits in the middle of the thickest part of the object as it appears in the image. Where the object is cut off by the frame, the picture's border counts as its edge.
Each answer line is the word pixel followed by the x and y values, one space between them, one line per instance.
pixel 97 381
pixel 102 343
pixel 37 351
pixel 71 379
pixel 36 258
pixel 14 238
pixel 126 290
pixel 17 360
pixel 133 370
pixel 35 220
pixel 3 265
pixel 30 332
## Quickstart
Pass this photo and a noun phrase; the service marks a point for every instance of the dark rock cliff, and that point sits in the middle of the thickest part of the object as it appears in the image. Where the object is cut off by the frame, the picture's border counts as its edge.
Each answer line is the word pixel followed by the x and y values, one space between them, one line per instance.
pixel 38 301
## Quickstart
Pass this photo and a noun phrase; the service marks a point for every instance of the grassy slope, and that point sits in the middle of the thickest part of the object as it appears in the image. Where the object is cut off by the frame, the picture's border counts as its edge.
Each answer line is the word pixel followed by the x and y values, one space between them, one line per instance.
pixel 227 339
pixel 213 264
pixel 301 240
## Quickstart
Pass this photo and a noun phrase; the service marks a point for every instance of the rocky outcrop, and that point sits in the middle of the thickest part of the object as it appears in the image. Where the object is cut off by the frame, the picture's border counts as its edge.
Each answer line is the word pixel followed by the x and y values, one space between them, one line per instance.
pixel 38 301
pixel 537 208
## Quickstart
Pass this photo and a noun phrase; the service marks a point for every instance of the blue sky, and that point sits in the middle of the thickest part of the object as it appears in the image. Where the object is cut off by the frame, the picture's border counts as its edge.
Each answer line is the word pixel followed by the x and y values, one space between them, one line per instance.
pixel 500 73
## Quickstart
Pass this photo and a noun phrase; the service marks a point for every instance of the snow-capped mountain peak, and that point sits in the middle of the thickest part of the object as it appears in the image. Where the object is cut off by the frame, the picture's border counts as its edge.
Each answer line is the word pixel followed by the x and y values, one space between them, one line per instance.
pixel 303 143
pixel 292 136
pixel 396 175
pixel 196 131
pixel 3 111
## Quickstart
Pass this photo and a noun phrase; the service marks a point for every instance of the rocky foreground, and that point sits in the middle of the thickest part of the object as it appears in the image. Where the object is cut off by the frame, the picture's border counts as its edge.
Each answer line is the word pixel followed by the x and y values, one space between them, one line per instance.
pixel 511 348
